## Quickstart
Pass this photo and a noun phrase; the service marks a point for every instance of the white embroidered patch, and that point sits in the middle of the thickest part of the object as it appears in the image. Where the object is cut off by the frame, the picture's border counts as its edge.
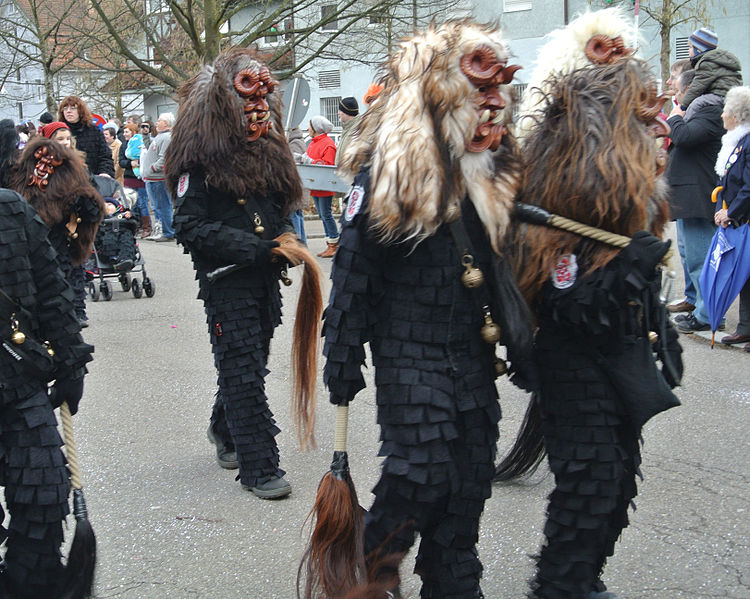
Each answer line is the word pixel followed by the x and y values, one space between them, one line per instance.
pixel 354 203
pixel 565 272
pixel 182 184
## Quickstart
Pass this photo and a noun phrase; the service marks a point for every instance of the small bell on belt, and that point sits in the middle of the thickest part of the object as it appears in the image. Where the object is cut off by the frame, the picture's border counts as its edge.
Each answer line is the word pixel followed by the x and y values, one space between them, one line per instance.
pixel 241 201
pixel 472 277
pixel 259 228
pixel 18 337
pixel 490 330
pixel 285 277
pixel 501 366
pixel 49 349
pixel 653 337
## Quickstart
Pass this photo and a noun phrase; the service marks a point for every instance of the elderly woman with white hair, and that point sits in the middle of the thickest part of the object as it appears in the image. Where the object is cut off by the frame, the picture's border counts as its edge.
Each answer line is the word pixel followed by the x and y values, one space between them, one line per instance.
pixel 322 150
pixel 152 172
pixel 733 208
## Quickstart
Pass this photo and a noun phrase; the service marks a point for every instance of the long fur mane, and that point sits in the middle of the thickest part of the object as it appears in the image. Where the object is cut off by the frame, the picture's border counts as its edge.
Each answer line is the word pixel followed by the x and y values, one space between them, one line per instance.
pixel 415 134
pixel 69 186
pixel 590 158
pixel 209 135
pixel 563 52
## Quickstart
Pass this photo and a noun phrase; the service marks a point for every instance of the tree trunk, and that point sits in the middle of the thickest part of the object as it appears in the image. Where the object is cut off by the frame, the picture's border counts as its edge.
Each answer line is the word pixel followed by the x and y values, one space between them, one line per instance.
pixel 213 35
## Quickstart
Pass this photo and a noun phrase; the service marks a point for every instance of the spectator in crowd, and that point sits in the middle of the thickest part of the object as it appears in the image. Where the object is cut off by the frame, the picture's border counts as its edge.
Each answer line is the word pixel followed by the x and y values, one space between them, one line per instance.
pixel 152 172
pixel 696 139
pixel 716 70
pixel 59 132
pixel 133 183
pixel 349 115
pixel 296 141
pixel 686 303
pixel 110 136
pixel 733 168
pixel 45 119
pixel 322 150
pixel 89 139
pixel 147 132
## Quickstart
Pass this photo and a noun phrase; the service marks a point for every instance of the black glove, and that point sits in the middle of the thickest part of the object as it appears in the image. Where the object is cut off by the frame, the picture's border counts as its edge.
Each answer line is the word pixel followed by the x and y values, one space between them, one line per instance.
pixel 69 390
pixel 645 251
pixel 263 250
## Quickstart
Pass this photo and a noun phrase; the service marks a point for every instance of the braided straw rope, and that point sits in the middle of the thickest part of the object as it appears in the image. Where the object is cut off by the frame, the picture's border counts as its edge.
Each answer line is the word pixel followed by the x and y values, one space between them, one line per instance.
pixel 342 420
pixel 70 445
pixel 614 239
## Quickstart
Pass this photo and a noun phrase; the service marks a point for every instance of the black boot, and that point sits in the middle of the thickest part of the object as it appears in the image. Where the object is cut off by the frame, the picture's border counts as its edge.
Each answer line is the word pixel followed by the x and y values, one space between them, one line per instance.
pixel 226 456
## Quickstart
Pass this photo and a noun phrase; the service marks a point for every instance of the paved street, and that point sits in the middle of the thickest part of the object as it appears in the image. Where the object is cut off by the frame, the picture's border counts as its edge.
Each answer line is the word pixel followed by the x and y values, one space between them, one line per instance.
pixel 171 524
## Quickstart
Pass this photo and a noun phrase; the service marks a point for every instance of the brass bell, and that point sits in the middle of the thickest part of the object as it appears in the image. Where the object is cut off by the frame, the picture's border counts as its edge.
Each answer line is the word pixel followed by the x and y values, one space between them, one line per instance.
pixel 49 349
pixel 452 213
pixel 285 277
pixel 18 337
pixel 501 366
pixel 259 228
pixel 78 219
pixel 241 201
pixel 472 277
pixel 653 337
pixel 490 330
pixel 74 235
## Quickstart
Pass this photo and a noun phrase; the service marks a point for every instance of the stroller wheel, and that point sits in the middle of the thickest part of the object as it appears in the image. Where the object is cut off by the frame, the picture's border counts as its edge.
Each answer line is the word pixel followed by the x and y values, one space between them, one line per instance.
pixel 136 289
pixel 125 281
pixel 93 292
pixel 149 287
pixel 106 290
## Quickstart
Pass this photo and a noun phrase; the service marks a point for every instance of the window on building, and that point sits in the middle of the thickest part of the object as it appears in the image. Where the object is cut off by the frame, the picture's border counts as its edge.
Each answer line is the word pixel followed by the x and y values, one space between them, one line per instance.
pixel 378 17
pixel 681 48
pixel 326 12
pixel 329 79
pixel 329 108
pixel 515 5
pixel 273 35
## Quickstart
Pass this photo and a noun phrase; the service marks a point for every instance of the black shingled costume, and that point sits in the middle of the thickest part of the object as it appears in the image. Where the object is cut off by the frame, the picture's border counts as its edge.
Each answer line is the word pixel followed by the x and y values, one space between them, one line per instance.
pixel 591 441
pixel 242 311
pixel 437 402
pixel 32 466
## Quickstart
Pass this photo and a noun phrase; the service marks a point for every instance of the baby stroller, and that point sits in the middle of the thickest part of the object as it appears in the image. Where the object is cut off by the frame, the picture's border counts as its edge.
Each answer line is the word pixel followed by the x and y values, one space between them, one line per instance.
pixel 116 254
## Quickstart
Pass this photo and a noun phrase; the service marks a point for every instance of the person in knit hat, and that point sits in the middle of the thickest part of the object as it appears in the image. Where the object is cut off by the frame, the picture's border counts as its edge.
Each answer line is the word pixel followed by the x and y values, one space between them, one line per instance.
pixel 349 115
pixel 59 132
pixel 716 70
pixel 322 150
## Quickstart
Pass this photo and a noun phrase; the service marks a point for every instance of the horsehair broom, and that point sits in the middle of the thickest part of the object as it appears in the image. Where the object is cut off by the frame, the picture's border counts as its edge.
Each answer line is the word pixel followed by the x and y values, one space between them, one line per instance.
pixel 334 561
pixel 82 556
pixel 537 215
pixel 306 335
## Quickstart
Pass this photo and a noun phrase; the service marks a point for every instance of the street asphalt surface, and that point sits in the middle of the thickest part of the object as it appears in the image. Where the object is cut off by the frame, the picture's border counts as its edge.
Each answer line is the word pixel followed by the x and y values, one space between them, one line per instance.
pixel 171 524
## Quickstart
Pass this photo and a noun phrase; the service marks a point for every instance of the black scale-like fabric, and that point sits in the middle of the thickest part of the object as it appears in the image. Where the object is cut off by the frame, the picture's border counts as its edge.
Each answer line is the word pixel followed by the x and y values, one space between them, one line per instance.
pixel 437 403
pixel 242 311
pixel 32 466
pixel 593 448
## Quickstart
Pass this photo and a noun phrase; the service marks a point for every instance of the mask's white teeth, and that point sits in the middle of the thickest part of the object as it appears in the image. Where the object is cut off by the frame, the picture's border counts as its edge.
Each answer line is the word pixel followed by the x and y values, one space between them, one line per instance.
pixel 498 119
pixel 484 117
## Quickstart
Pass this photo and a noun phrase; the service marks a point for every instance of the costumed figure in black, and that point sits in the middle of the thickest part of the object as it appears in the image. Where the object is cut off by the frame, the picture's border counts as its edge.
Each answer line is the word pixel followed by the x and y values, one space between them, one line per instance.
pixel 36 306
pixel 234 183
pixel 54 180
pixel 421 275
pixel 592 156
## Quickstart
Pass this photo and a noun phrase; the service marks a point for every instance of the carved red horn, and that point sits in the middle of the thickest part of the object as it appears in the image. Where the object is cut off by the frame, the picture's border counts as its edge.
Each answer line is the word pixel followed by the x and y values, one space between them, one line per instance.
pixel 246 82
pixel 510 71
pixel 603 49
pixel 481 66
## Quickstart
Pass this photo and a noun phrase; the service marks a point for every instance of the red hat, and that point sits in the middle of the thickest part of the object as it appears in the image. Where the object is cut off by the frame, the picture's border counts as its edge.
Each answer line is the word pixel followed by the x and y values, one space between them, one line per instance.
pixel 48 130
